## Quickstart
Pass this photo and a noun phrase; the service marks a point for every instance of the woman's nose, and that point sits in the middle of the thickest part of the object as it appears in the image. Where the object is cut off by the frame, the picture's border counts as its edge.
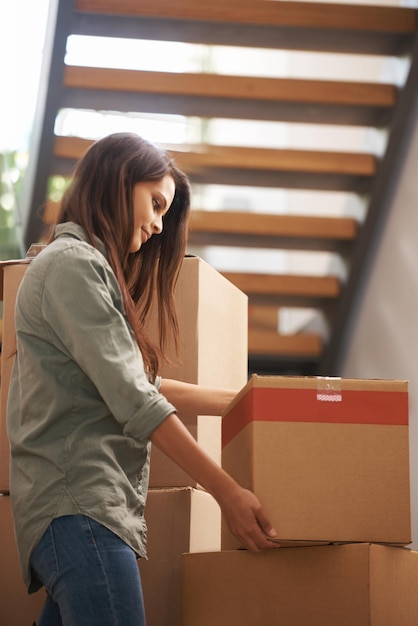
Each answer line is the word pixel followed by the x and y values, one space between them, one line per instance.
pixel 157 225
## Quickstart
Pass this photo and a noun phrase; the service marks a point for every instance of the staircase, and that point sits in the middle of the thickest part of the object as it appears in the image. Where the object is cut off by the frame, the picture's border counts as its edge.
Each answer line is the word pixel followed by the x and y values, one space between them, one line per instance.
pixel 365 177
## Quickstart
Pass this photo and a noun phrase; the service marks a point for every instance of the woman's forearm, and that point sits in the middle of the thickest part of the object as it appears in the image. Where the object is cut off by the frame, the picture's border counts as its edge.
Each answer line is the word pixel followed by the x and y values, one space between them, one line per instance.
pixel 242 510
pixel 190 399
pixel 173 438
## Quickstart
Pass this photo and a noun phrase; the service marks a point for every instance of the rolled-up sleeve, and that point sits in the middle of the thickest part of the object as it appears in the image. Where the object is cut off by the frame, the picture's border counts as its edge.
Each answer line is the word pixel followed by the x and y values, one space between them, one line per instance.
pixel 84 317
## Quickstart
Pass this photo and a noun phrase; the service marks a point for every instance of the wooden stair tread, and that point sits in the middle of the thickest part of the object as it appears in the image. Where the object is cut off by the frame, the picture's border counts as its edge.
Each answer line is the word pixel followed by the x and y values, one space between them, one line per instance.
pixel 319 292
pixel 254 230
pixel 263 317
pixel 313 161
pixel 259 23
pixel 265 342
pixel 232 87
pixel 302 14
pixel 237 97
pixel 285 284
pixel 272 225
pixel 294 169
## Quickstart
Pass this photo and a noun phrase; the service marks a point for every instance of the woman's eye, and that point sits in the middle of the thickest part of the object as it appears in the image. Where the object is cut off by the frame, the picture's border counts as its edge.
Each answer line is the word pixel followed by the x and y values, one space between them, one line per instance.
pixel 156 204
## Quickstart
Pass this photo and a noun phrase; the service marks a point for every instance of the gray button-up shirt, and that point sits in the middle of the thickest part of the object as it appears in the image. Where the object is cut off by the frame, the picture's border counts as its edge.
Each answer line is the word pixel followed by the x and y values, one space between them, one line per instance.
pixel 81 409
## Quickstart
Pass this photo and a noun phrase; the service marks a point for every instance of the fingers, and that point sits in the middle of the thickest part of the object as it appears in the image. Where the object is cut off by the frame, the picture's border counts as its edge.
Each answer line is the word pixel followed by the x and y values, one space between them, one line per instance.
pixel 258 540
pixel 246 518
pixel 263 531
pixel 265 524
pixel 255 540
pixel 251 525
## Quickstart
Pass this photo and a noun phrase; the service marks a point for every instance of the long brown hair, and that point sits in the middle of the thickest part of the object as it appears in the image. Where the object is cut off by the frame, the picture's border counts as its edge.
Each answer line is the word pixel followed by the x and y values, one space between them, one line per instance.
pixel 100 199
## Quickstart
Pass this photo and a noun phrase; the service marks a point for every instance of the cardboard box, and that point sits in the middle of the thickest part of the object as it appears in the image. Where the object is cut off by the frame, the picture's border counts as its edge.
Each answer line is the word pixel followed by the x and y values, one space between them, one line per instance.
pixel 11 274
pixel 328 458
pixel 213 326
pixel 213 351
pixel 344 585
pixel 179 520
pixel 17 608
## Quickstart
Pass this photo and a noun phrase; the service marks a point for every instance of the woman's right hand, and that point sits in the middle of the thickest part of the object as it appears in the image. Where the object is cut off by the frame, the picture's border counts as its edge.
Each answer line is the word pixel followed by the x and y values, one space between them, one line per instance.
pixel 246 517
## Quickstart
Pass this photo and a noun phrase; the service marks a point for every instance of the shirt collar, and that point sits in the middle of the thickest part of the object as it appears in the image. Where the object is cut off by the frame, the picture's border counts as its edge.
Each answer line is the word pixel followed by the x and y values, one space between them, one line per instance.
pixel 70 229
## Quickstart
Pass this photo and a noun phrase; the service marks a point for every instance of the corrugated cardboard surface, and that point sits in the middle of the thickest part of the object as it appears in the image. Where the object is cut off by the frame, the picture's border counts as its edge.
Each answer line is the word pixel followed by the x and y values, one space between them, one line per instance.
pixel 213 326
pixel 17 608
pixel 179 520
pixel 326 481
pixel 393 597
pixel 346 585
pixel 213 351
pixel 11 275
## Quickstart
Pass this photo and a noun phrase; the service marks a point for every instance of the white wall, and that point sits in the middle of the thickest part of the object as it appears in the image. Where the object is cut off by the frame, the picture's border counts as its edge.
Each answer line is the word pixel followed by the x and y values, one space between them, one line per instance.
pixel 383 340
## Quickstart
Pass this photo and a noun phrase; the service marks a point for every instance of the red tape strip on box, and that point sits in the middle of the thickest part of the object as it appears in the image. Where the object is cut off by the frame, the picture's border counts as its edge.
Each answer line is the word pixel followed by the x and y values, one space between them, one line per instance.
pixel 314 405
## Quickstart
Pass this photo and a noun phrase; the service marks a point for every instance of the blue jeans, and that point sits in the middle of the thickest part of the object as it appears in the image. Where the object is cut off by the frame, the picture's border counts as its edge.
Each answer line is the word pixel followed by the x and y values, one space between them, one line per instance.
pixel 91 576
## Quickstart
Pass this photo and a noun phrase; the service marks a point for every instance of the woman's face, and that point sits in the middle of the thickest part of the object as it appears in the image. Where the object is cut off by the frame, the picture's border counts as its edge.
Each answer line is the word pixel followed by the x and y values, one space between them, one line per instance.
pixel 151 201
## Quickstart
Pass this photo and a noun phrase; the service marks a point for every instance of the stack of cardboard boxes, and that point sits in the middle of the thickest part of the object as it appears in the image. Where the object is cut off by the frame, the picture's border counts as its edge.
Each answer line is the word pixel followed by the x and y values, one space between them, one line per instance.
pixel 327 457
pixel 181 517
pixel 16 607
pixel 329 460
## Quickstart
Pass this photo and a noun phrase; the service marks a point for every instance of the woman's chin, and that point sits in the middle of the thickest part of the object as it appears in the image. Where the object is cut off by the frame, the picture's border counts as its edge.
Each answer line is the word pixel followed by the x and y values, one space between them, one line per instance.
pixel 135 247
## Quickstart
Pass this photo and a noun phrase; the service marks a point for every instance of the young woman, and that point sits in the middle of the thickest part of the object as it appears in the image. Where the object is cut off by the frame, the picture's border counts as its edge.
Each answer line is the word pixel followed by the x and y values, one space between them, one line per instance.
pixel 85 398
